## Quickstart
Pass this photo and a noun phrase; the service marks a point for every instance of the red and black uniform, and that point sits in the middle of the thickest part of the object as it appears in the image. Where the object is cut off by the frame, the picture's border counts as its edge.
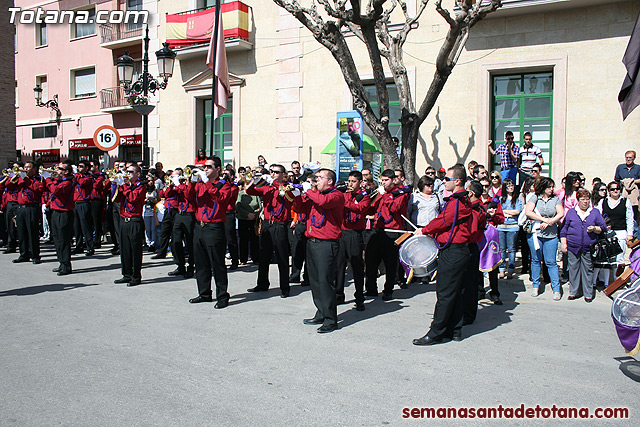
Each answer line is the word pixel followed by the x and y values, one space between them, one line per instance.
pixel 10 198
pixel 97 202
pixel 183 223
pixel 452 230
pixel 356 207
pixel 387 209
pixel 324 229
pixel 274 235
pixel 28 217
pixel 230 227
pixel 131 197
pixel 62 206
pixel 170 196
pixel 209 241
pixel 83 222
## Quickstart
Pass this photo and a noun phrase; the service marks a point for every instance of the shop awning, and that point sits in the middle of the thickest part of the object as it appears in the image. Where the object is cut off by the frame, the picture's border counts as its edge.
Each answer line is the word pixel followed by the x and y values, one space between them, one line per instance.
pixel 370 145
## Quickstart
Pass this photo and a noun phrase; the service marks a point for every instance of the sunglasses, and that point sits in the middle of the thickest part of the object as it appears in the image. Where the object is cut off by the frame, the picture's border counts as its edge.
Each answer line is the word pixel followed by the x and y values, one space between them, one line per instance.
pixel 446 178
pixel 614 189
pixel 495 177
pixel 429 173
pixel 130 171
pixel 272 171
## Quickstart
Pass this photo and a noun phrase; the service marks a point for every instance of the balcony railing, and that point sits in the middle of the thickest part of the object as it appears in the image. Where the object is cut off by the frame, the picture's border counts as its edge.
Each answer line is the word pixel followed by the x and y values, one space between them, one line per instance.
pixel 113 97
pixel 115 32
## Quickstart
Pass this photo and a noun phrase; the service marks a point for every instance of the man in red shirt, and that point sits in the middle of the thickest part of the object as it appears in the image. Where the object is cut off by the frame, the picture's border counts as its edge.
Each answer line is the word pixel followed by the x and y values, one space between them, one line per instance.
pixel 170 197
pixel 230 223
pixel 183 223
pixel 388 208
pixel 11 207
pixel 356 207
pixel 274 234
pixel 82 197
pixel 131 196
pixel 98 196
pixel 452 230
pixel 212 198
pixel 325 205
pixel 62 205
pixel 29 212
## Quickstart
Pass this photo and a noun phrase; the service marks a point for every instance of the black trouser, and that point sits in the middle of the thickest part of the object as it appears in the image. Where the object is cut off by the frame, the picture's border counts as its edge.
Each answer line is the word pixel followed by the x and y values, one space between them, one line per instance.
pixel 97 211
pixel 350 250
pixel 449 310
pixel 84 225
pixel 471 284
pixel 182 234
pixel 248 240
pixel 273 236
pixel 114 224
pixel 27 220
pixel 12 231
pixel 524 250
pixel 298 250
pixel 166 231
pixel 232 237
pixel 381 246
pixel 209 243
pixel 3 226
pixel 132 235
pixel 493 283
pixel 62 233
pixel 322 270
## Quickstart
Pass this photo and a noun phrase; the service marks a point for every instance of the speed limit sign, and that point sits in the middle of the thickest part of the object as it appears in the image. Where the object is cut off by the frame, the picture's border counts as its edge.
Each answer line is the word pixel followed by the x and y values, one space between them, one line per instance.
pixel 106 138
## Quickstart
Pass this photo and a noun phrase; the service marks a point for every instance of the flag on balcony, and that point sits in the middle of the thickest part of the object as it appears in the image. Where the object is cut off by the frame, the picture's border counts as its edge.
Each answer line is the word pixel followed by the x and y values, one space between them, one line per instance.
pixel 184 29
pixel 629 96
pixel 217 61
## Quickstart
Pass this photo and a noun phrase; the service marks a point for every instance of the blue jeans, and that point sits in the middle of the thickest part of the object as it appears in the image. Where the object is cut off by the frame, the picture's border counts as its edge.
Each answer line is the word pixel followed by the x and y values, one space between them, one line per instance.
pixel 548 250
pixel 508 249
pixel 512 174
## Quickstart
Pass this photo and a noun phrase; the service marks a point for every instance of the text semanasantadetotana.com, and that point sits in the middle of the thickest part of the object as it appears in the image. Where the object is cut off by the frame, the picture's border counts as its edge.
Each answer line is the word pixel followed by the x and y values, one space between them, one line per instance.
pixel 521 411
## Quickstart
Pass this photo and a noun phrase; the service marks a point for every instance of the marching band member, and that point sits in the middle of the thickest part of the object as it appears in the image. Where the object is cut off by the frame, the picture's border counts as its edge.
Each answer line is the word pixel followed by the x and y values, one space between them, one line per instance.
pixel 473 285
pixel 325 205
pixel 168 220
pixel 11 208
pixel 452 231
pixel 351 244
pixel 114 214
pixel 62 205
pixel 82 197
pixel 230 223
pixel 131 195
pixel 30 189
pixel 273 233
pixel 97 201
pixel 388 207
pixel 183 223
pixel 212 196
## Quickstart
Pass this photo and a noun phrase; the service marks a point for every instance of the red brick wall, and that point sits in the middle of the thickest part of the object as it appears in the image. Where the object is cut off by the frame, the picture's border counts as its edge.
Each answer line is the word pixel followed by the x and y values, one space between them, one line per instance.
pixel 7 88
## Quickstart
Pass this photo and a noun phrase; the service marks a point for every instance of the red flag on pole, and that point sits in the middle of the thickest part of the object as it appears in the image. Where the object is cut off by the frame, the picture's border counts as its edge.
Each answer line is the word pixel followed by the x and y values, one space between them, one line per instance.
pixel 217 61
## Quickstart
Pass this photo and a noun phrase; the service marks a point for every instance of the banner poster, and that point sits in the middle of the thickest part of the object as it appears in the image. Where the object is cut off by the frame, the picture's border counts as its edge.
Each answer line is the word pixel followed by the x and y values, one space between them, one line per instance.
pixel 349 143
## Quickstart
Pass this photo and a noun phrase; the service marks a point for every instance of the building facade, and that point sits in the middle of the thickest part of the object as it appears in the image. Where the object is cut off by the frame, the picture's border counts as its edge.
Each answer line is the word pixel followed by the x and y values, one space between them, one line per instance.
pixel 8 101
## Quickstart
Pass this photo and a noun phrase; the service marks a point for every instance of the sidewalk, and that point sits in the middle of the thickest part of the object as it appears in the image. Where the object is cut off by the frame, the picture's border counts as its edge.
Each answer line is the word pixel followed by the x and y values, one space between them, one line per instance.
pixel 79 350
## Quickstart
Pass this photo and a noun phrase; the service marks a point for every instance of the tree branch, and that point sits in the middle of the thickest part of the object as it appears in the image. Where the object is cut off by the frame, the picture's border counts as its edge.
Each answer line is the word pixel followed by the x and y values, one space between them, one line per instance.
pixel 444 13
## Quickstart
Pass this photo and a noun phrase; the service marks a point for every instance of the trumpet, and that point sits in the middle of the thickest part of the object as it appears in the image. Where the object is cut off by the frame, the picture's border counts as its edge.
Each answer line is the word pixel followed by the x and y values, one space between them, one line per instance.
pixel 53 173
pixel 167 180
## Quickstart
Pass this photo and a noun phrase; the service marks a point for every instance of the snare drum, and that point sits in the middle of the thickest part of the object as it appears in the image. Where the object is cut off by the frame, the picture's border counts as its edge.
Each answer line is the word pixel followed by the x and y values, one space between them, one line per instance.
pixel 421 254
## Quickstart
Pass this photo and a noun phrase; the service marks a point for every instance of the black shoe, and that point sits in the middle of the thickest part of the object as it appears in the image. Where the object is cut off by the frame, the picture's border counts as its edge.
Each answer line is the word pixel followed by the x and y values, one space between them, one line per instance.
pixel 221 304
pixel 304 283
pixel 36 261
pixel 20 259
pixel 189 273
pixel 98 246
pixel 359 306
pixel 64 272
pixel 257 289
pixel 456 338
pixel 312 321
pixel 121 280
pixel 340 300
pixel 284 294
pixel 159 256
pixel 57 269
pixel 90 252
pixel 324 329
pixel 152 249
pixel 133 283
pixel 115 251
pixel 589 299
pixel 76 251
pixel 233 266
pixel 572 297
pixel 9 251
pixel 371 294
pixel 425 340
pixel 177 272
pixel 387 296
pixel 294 279
pixel 402 284
pixel 199 299
pixel 497 301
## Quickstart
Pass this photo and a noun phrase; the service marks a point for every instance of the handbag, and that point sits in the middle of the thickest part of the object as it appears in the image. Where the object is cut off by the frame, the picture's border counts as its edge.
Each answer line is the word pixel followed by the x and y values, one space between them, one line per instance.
pixel 605 248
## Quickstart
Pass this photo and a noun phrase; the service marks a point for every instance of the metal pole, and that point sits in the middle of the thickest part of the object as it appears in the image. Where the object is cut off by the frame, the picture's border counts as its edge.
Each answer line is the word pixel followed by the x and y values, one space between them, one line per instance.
pixel 213 79
pixel 145 88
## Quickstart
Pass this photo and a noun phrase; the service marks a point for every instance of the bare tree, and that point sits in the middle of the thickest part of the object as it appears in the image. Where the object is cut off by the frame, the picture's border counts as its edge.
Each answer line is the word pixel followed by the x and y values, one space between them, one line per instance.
pixel 371 27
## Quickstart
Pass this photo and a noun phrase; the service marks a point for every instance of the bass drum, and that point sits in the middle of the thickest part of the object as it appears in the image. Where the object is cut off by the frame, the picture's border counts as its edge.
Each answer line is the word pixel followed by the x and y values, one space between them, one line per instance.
pixel 421 254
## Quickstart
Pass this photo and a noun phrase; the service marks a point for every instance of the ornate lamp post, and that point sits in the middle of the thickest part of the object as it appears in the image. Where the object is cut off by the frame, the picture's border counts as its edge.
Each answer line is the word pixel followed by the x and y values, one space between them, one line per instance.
pixel 145 84
pixel 52 103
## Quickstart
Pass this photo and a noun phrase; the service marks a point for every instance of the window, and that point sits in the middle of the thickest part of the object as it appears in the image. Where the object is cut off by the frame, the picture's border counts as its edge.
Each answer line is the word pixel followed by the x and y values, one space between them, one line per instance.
pixel 41 34
pixel 222 145
pixel 44 85
pixel 131 23
pixel 16 95
pixel 524 103
pixel 394 106
pixel 83 83
pixel 40 132
pixel 209 3
pixel 84 30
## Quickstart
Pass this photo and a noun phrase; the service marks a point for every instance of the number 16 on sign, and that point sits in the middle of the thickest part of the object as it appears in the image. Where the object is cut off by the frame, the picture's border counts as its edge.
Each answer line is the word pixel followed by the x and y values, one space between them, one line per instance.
pixel 106 138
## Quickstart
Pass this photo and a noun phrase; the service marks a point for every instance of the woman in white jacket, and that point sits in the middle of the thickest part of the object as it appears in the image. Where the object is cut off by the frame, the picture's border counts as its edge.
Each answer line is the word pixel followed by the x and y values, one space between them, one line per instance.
pixel 424 204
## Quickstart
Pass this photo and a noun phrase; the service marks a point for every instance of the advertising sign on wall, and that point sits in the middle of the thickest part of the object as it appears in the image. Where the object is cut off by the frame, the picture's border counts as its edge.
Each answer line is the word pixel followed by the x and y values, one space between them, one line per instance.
pixel 349 143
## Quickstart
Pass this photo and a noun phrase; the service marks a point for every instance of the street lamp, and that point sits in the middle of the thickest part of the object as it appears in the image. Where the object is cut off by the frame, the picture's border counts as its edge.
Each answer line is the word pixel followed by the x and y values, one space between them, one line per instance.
pixel 52 103
pixel 146 83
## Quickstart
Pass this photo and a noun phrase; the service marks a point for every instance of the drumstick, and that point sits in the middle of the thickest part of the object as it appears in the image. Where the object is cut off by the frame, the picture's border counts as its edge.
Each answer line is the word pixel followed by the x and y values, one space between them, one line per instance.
pixel 390 230
pixel 409 222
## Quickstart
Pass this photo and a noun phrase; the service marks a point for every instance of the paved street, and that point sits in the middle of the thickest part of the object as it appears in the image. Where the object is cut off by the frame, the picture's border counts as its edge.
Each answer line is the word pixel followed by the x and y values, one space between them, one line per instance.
pixel 79 350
